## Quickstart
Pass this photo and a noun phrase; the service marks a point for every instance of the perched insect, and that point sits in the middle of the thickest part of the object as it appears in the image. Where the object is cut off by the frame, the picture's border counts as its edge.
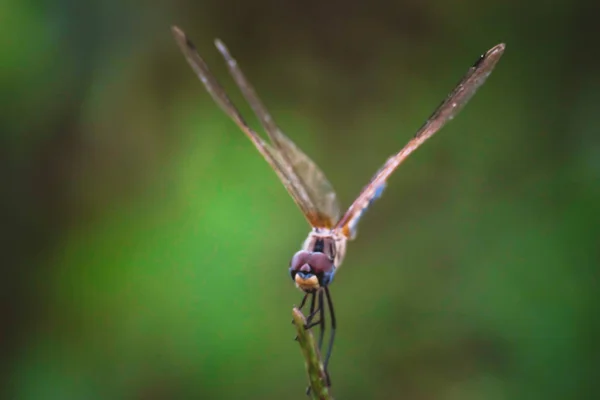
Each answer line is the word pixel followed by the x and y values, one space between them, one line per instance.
pixel 313 267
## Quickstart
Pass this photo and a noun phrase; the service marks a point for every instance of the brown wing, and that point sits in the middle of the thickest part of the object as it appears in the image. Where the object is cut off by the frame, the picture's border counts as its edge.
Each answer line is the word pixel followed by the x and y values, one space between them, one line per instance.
pixel 300 176
pixel 282 165
pixel 467 87
pixel 300 166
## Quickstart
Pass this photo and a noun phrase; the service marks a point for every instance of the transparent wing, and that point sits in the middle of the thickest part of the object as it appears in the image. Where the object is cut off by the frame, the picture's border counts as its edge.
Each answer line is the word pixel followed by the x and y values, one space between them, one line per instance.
pixel 467 87
pixel 300 166
pixel 317 212
pixel 221 98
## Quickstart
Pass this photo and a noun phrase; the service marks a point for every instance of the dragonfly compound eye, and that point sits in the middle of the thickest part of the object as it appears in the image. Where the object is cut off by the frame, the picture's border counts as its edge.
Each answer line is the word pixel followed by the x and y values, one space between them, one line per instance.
pixel 322 266
pixel 320 263
pixel 299 259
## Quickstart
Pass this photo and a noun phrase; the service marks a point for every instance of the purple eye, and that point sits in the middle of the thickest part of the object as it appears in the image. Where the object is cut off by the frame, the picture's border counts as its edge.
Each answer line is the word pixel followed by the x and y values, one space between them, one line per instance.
pixel 320 263
pixel 299 259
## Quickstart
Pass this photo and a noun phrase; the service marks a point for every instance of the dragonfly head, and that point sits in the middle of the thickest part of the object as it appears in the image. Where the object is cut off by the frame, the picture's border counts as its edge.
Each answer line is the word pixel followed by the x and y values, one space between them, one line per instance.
pixel 311 270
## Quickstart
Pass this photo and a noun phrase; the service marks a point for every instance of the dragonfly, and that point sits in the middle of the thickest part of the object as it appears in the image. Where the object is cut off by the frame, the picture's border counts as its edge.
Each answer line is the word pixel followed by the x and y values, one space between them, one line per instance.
pixel 313 267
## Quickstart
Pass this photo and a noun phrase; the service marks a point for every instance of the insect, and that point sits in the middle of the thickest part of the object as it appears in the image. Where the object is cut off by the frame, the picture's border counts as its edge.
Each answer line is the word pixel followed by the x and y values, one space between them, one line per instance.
pixel 313 267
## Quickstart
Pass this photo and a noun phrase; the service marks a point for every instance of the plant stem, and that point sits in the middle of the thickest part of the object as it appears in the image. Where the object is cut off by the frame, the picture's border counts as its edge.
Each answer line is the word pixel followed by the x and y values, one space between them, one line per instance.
pixel 312 358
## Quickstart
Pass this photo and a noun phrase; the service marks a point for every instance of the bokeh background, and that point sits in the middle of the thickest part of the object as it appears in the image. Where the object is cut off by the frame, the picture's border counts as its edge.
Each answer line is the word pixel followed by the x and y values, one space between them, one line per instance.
pixel 145 243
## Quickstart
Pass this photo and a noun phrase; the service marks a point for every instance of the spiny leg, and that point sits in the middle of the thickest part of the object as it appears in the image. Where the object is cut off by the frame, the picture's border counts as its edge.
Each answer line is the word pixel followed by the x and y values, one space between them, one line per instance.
pixel 319 310
pixel 303 301
pixel 332 337
pixel 312 305
pixel 313 311
pixel 321 320
pixel 301 305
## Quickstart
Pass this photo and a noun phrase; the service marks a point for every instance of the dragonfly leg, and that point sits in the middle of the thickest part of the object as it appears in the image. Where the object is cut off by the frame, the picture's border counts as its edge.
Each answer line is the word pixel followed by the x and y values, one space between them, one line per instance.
pixel 308 325
pixel 321 320
pixel 302 303
pixel 313 312
pixel 332 336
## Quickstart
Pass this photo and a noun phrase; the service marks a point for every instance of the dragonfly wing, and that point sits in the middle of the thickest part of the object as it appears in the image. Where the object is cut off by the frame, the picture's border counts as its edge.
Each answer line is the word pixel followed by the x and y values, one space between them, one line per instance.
pixel 314 180
pixel 321 213
pixel 291 183
pixel 455 101
pixel 299 167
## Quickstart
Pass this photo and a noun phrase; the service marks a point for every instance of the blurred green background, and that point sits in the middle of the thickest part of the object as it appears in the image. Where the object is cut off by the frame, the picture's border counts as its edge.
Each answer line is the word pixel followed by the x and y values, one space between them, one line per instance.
pixel 146 243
